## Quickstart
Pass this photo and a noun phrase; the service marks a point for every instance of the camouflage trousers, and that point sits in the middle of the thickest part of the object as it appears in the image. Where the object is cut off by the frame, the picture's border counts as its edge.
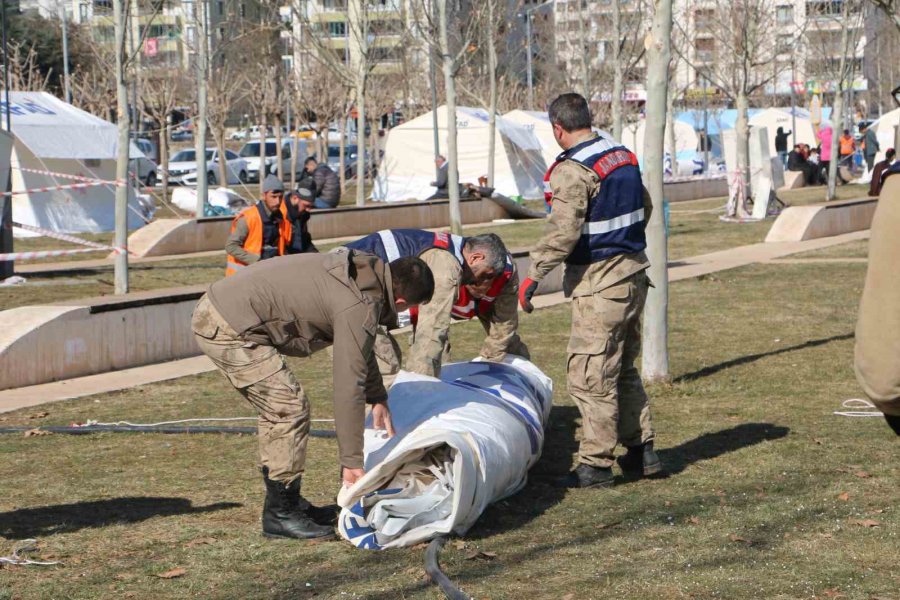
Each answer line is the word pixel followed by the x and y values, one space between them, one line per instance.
pixel 261 376
pixel 602 378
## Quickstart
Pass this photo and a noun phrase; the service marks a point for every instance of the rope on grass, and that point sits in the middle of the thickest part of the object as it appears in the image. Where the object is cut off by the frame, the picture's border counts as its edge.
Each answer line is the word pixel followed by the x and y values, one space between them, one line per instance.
pixel 855 408
pixel 23 546
pixel 93 423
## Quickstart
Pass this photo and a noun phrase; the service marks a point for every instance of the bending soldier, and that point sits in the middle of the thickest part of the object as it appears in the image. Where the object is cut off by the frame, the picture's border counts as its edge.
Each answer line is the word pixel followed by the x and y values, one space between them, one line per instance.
pixel 294 306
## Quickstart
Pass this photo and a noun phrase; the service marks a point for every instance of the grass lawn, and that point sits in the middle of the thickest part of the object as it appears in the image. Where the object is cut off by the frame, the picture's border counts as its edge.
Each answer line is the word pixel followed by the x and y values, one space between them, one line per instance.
pixel 857 249
pixel 771 496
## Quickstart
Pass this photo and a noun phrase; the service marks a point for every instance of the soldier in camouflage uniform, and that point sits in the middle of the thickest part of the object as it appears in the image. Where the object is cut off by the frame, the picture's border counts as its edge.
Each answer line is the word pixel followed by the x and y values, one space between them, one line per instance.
pixel 480 261
pixel 599 212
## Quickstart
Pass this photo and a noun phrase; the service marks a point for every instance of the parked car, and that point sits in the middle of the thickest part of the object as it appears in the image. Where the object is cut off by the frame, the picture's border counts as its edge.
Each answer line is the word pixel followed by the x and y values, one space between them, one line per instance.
pixel 252 133
pixel 143 167
pixel 147 147
pixel 250 153
pixel 182 135
pixel 183 167
pixel 334 154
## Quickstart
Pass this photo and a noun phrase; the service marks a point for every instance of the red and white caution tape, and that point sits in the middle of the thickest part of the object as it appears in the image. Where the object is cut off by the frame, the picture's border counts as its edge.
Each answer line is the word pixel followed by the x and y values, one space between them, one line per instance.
pixel 61 236
pixel 46 253
pixel 55 174
pixel 69 186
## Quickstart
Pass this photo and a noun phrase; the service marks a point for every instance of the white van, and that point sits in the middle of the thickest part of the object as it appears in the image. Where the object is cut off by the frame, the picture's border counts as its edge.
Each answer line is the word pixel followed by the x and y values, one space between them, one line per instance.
pixel 250 153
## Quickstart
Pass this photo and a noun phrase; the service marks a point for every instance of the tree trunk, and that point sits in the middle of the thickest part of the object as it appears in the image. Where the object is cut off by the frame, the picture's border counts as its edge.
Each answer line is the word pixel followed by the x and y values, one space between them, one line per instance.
pixel 655 362
pixel 618 89
pixel 202 22
pixel 359 25
pixel 492 109
pixel 164 155
pixel 836 126
pixel 295 148
pixel 342 151
pixel 219 136
pixel 742 139
pixel 671 143
pixel 278 156
pixel 586 55
pixel 123 122
pixel 450 86
pixel 262 151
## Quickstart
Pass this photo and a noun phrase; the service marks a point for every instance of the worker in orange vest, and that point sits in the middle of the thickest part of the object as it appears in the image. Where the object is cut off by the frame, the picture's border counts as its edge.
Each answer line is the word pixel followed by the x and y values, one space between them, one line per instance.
pixel 847 148
pixel 261 231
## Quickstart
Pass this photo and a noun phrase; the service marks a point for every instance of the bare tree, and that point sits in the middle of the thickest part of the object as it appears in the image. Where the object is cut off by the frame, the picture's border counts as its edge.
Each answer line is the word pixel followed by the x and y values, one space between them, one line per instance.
pixel 655 361
pixel 455 43
pixel 833 37
pixel 736 57
pixel 94 83
pixel 120 16
pixel 226 88
pixel 163 92
pixel 891 8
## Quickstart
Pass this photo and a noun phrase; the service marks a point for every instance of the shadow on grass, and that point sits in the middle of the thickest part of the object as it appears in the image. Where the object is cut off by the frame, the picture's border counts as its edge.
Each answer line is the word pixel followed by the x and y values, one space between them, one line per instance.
pixel 64 518
pixel 712 445
pixel 743 360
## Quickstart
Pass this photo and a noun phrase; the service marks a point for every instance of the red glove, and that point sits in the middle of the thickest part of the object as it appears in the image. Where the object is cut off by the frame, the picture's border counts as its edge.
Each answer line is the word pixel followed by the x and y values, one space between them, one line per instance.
pixel 526 290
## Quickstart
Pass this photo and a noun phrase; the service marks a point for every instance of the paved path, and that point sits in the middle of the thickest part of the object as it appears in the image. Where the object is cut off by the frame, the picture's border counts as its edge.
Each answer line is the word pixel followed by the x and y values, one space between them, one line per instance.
pixel 688 268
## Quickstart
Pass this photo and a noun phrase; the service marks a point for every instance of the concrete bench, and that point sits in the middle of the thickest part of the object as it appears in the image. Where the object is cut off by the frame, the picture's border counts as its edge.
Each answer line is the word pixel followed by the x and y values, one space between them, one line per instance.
pixel 824 219
pixel 793 180
pixel 165 237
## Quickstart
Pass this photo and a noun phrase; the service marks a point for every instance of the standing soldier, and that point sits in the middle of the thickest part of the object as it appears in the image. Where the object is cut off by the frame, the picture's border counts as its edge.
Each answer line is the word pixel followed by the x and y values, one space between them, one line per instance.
pixel 456 262
pixel 294 306
pixel 599 212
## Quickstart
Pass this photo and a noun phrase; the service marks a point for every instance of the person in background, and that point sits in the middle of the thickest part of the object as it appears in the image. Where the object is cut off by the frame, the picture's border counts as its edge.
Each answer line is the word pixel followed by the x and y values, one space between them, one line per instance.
pixel 847 149
pixel 870 146
pixel 781 144
pixel 261 231
pixel 327 184
pixel 299 205
pixel 878 172
pixel 797 161
pixel 442 179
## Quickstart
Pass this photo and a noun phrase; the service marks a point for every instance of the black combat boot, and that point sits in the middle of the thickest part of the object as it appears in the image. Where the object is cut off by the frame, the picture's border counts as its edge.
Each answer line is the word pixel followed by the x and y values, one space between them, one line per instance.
pixel 641 460
pixel 894 422
pixel 586 476
pixel 283 515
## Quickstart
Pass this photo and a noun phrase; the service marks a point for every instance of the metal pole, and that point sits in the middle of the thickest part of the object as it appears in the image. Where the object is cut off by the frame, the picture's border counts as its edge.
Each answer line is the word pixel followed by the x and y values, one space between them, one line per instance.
pixel 528 65
pixel 793 107
pixel 6 238
pixel 65 49
pixel 434 116
pixel 200 117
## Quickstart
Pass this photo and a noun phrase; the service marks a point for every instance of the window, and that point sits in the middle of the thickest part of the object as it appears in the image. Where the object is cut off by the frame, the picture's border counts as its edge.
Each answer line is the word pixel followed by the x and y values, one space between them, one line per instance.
pixel 785 44
pixel 220 6
pixel 704 20
pixel 230 155
pixel 82 12
pixel 784 15
pixel 334 4
pixel 705 49
pixel 337 29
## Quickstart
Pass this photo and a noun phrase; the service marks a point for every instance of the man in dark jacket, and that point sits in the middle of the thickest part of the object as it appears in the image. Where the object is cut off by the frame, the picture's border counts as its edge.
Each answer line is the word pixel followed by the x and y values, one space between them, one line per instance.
pixel 298 205
pixel 796 161
pixel 879 170
pixel 327 184
pixel 781 144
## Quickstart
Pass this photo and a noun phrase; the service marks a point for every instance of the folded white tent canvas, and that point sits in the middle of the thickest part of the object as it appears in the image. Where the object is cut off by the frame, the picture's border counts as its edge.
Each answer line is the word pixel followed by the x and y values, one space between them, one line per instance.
pixel 462 442
pixel 56 137
pixel 185 198
pixel 407 170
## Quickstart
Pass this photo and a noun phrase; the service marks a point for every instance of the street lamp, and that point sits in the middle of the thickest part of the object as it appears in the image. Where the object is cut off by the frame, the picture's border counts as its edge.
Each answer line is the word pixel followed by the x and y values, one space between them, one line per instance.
pixel 529 74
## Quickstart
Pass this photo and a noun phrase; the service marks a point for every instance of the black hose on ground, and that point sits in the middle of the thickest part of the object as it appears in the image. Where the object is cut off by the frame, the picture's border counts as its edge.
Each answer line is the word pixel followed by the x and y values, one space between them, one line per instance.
pixel 433 568
pixel 75 430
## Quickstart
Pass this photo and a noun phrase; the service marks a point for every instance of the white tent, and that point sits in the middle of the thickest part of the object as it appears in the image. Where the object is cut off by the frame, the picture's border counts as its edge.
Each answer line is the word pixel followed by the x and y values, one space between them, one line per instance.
pixel 773 118
pixel 407 169
pixel 56 137
pixel 884 130
pixel 686 139
pixel 539 124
